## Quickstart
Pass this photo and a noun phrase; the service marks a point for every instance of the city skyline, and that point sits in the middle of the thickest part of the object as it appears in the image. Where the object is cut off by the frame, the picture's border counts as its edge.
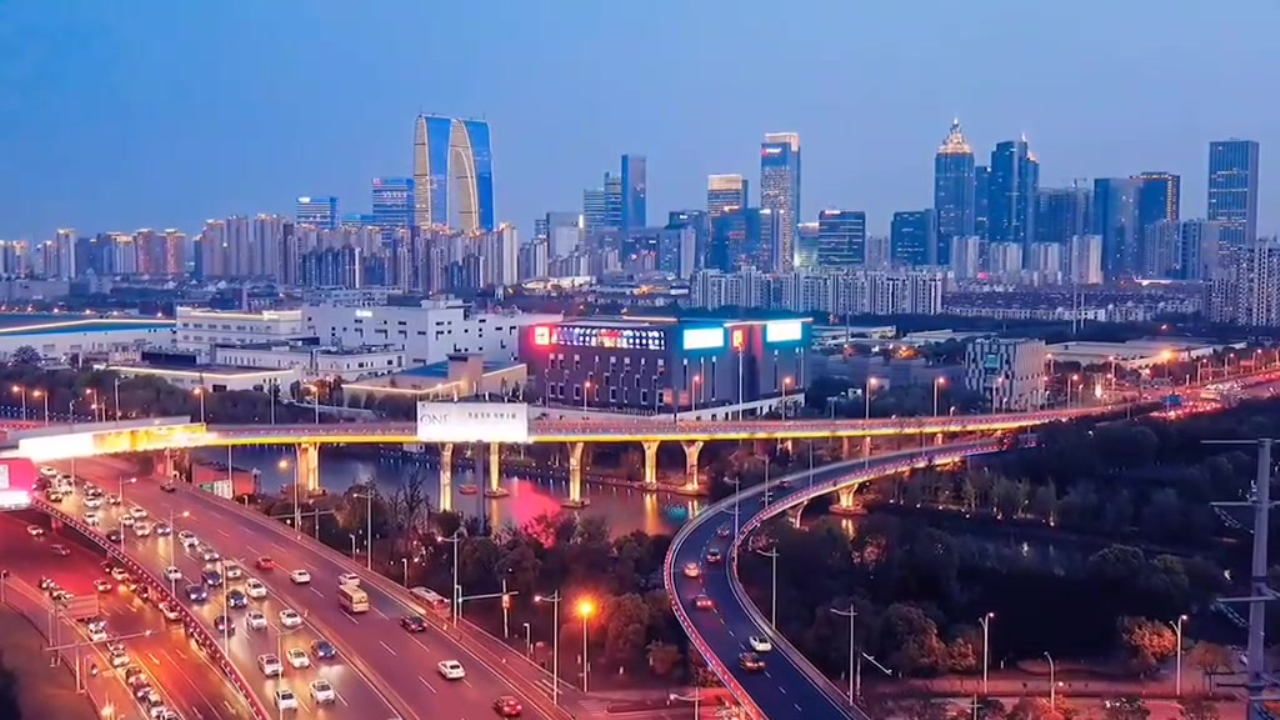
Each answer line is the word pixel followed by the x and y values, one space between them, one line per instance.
pixel 875 165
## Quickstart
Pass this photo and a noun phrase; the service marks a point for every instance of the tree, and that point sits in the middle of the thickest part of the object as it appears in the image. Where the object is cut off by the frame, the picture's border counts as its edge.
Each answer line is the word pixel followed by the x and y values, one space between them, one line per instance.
pixel 1126 708
pixel 1198 709
pixel 923 709
pixel 1032 709
pixel 1148 641
pixel 26 355
pixel 664 658
pixel 1211 658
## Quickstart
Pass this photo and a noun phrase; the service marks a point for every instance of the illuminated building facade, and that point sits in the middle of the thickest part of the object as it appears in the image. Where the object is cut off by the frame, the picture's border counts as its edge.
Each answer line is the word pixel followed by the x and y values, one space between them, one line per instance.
pixel 780 193
pixel 452 174
pixel 954 191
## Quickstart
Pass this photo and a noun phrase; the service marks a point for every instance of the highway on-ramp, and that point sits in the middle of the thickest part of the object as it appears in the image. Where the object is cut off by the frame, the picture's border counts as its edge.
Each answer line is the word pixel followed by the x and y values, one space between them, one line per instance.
pixel 787 686
pixel 371 645
pixel 180 671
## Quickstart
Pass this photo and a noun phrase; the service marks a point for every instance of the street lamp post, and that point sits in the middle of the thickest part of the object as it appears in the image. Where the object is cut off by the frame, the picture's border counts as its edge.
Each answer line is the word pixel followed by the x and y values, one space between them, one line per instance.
pixel 1053 684
pixel 554 599
pixel 772 554
pixel 45 396
pixel 586 390
pixel 200 394
pixel 22 393
pixel 786 385
pixel 866 405
pixel 1177 629
pixel 405 563
pixel 985 621
pixel 456 540
pixel 116 397
pixel 353 543
pixel 937 385
pixel 855 676
pixel 585 609
pixel 528 640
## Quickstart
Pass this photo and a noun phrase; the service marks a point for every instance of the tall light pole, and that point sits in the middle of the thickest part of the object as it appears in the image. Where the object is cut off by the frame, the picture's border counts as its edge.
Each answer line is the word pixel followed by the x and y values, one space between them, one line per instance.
pixel 42 394
pixel 786 385
pixel 554 599
pixel 22 393
pixel 937 385
pixel 456 540
pixel 116 397
pixel 1053 683
pixel 586 609
pixel 772 554
pixel 586 390
pixel 405 562
pixel 985 621
pixel 1177 629
pixel 855 680
pixel 199 392
pixel 866 405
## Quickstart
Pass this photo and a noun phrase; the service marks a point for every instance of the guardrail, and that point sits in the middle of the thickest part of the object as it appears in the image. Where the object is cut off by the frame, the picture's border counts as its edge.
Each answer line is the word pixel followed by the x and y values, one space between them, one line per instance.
pixel 191 623
pixel 472 638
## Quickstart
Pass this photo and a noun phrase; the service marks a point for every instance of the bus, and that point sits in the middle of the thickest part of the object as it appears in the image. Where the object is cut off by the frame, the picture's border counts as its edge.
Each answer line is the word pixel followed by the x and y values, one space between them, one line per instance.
pixel 435 603
pixel 353 599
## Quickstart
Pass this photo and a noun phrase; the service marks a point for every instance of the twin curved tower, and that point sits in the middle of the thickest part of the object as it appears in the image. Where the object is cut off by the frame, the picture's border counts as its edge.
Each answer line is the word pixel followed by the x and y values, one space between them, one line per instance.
pixel 452 174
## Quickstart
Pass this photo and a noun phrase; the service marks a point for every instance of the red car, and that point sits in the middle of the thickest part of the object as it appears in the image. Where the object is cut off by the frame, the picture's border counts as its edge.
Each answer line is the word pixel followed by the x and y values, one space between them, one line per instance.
pixel 702 602
pixel 507 707
pixel 265 563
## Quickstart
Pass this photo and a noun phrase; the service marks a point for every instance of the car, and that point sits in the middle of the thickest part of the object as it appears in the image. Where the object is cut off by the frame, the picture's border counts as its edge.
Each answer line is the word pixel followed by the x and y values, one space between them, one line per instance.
pixel 114 499
pixel 126 520
pixel 751 662
pixel 759 644
pixel 142 591
pixel 237 600
pixel 114 535
pixel 98 633
pixel 143 691
pixel 232 571
pixel 208 554
pixel 255 620
pixel 142 528
pixel 413 623
pixel 285 699
pixel 53 497
pixel 223 624
pixel 349 579
pixel 714 556
pixel 60 595
pixel 119 658
pixel 298 658
pixel 136 679
pixel 132 672
pixel 170 611
pixel 691 570
pixel 188 539
pixel 507 707
pixel 168 487
pixel 47 583
pixel 60 550
pixel 137 513
pixel 129 582
pixel 35 531
pixel 103 585
pixel 48 472
pixel 172 573
pixel 197 593
pixel 255 589
pixel 451 670
pixel 702 602
pixel 299 577
pixel 95 623
pixel 119 573
pixel 163 529
pixel 169 715
pixel 92 501
pixel 324 650
pixel 270 665
pixel 265 563
pixel 159 711
pixel 290 618
pixel 724 531
pixel 322 692
pixel 92 518
pixel 211 578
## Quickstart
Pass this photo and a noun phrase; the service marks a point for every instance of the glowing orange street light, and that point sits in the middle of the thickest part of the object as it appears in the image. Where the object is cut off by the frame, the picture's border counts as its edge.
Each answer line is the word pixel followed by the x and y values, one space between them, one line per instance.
pixel 586 608
pixel 937 385
pixel 199 393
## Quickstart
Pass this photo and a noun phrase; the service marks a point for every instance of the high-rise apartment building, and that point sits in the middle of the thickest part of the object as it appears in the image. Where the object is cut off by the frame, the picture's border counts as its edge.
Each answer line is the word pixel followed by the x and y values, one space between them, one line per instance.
pixel 1159 198
pixel 393 207
pixel 595 211
pixel 726 193
pixel 613 199
pixel 982 201
pixel 913 239
pixel 319 211
pixel 564 233
pixel 1199 249
pixel 635 193
pixel 807 241
pixel 1233 190
pixel 452 174
pixel 1115 220
pixel 1085 260
pixel 1248 291
pixel 1015 179
pixel 954 201
pixel 842 238
pixel 780 191
pixel 1062 213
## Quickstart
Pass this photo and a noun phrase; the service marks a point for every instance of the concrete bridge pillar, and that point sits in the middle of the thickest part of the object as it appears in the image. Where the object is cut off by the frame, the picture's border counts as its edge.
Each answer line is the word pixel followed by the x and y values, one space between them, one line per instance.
pixel 495 489
pixel 446 477
pixel 845 503
pixel 691 452
pixel 846 447
pixel 308 468
pixel 651 463
pixel 575 499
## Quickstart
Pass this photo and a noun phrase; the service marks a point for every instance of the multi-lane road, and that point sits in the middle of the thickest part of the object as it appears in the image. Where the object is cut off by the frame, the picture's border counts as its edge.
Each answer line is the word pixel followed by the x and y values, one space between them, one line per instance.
pixel 180 671
pixel 381 670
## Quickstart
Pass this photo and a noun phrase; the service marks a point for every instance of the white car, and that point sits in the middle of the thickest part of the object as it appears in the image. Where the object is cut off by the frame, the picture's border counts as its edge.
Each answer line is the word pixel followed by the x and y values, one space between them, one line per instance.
pixel 290 618
pixel 172 573
pixel 98 634
pixel 163 529
pixel 188 539
pixel 285 699
pixel 142 528
pixel 270 665
pixel 349 579
pixel 451 670
pixel 298 658
pixel 232 571
pixel 138 513
pixel 126 520
pixel 48 472
pixel 92 518
pixel 255 589
pixel 322 692
pixel 759 644
pixel 692 570
pixel 209 555
pixel 300 577
pixel 255 620
pixel 35 530
pixel 119 658
pixel 93 501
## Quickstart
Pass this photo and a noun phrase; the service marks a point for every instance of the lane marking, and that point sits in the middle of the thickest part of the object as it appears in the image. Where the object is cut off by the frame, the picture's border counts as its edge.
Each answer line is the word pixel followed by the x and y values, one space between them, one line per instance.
pixel 429 686
pixel 388 648
pixel 351 617
pixel 317 592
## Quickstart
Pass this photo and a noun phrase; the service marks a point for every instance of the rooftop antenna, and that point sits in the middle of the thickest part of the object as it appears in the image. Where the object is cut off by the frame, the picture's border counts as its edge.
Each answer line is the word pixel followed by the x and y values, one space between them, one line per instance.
pixel 1259 683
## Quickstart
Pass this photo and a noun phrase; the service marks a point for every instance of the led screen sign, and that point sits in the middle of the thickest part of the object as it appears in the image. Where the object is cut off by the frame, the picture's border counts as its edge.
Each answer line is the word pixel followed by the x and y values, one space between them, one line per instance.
pixel 703 338
pixel 784 331
pixel 600 337
pixel 473 422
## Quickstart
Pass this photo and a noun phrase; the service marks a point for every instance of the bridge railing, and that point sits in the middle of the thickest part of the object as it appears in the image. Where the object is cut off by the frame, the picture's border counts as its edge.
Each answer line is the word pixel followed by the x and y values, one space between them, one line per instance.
pixel 484 647
pixel 194 627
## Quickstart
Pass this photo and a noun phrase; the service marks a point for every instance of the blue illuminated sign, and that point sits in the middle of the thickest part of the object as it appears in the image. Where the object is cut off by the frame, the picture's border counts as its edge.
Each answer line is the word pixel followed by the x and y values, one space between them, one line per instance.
pixel 703 338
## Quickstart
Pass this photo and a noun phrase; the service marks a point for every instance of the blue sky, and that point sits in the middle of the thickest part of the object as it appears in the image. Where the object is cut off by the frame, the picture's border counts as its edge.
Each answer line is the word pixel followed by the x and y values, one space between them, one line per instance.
pixel 122 114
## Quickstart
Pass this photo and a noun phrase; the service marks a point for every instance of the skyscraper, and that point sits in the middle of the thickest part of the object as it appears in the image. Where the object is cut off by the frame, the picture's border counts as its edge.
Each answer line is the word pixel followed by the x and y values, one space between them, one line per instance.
pixel 780 191
pixel 452 174
pixel 635 192
pixel 913 238
pixel 1233 190
pixel 1159 198
pixel 1015 178
pixel 953 191
pixel 842 238
pixel 1115 219
pixel 982 202
pixel 393 204
pixel 725 193
pixel 613 199
pixel 319 211
pixel 1063 213
pixel 595 210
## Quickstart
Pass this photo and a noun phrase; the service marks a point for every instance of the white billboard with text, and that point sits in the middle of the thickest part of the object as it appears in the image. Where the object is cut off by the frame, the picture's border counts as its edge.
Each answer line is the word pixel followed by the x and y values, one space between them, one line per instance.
pixel 473 422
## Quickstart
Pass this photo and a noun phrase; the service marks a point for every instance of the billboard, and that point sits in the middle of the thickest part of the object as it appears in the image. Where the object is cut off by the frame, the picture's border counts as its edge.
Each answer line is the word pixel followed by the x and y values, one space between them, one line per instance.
pixel 703 338
pixel 17 481
pixel 473 422
pixel 784 331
